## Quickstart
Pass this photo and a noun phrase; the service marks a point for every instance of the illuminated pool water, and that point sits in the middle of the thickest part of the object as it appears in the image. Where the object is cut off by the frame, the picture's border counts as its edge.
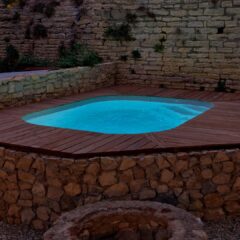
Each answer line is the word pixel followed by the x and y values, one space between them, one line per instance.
pixel 121 114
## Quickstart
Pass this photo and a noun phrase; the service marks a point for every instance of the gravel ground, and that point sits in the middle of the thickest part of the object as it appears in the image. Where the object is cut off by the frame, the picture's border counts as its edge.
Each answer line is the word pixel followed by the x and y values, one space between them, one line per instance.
pixel 223 230
pixel 228 229
pixel 12 232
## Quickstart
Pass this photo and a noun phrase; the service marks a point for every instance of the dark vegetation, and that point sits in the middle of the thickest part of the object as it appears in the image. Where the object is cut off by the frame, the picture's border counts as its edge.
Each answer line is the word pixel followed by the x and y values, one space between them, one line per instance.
pixel 122 31
pixel 123 58
pixel 136 54
pixel 119 32
pixel 75 55
pixel 11 59
pixel 131 18
pixel 159 47
pixel 221 87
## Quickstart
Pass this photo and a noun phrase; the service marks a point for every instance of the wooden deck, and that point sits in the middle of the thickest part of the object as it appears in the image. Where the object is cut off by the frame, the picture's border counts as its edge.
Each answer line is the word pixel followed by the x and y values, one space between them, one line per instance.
pixel 217 128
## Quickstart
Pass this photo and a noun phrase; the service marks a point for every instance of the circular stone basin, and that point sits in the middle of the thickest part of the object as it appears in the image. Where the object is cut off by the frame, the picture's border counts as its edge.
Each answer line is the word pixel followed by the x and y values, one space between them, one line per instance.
pixel 127 220
pixel 121 114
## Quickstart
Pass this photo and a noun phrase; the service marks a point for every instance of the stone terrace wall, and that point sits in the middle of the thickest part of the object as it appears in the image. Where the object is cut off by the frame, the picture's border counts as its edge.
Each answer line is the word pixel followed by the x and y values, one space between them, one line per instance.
pixel 202 41
pixel 60 28
pixel 202 44
pixel 25 89
pixel 35 189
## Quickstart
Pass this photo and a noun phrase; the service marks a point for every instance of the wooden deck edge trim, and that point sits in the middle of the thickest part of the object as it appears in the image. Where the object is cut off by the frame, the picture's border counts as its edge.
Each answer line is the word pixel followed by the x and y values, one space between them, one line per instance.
pixel 210 147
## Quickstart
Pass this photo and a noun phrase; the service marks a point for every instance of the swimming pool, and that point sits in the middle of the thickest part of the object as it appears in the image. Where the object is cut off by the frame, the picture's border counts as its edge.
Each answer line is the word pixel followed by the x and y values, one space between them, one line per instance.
pixel 121 114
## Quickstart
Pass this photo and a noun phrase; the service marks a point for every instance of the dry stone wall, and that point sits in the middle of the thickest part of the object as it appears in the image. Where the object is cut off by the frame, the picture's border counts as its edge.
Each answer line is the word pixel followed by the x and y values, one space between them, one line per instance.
pixel 35 189
pixel 60 28
pixel 198 41
pixel 20 90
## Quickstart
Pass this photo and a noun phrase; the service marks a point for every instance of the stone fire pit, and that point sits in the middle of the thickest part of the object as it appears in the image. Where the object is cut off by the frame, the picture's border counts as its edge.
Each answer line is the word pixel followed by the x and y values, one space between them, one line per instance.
pixel 127 220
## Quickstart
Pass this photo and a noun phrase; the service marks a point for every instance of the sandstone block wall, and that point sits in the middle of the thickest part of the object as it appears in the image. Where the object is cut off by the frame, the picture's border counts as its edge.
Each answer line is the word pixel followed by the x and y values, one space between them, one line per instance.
pixel 21 90
pixel 201 51
pixel 201 48
pixel 35 189
pixel 60 28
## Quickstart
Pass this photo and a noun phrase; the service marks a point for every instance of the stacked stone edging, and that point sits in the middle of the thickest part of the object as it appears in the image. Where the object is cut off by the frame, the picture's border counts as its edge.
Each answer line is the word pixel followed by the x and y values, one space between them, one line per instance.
pixel 21 90
pixel 35 189
pixel 132 219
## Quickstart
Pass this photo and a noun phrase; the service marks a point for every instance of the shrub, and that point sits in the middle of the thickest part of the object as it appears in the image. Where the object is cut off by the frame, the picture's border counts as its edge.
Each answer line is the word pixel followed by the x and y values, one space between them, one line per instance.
pixel 221 86
pixel 159 47
pixel 31 61
pixel 136 54
pixel 77 55
pixel 10 61
pixel 120 32
pixel 12 56
pixel 13 61
pixel 3 66
pixel 91 59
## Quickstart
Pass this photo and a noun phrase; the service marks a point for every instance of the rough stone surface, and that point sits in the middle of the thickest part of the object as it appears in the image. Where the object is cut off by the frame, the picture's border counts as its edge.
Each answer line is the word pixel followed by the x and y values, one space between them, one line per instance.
pixel 19 232
pixel 199 45
pixel 225 229
pixel 127 163
pixel 117 190
pixel 72 189
pixel 216 230
pixel 197 40
pixel 80 79
pixel 107 179
pixel 50 185
pixel 121 220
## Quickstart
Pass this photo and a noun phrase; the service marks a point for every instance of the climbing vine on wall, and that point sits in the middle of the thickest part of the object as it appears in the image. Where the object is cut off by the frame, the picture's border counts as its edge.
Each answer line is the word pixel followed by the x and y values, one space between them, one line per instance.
pixel 159 47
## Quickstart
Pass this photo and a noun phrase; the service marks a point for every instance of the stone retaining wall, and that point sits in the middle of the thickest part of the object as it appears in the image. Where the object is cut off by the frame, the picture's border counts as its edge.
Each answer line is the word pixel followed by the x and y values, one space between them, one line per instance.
pixel 200 41
pixel 200 49
pixel 21 90
pixel 35 189
pixel 60 28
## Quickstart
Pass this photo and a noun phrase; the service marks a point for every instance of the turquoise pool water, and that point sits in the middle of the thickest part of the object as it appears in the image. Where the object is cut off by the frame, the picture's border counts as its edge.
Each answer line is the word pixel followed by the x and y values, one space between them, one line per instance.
pixel 121 114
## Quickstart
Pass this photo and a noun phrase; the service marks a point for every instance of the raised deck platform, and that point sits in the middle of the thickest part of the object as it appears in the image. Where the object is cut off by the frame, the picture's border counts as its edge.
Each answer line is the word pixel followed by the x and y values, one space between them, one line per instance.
pixel 217 128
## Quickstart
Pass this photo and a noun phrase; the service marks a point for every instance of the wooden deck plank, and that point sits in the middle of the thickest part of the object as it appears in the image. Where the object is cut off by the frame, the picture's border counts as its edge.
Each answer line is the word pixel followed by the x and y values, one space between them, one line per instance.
pixel 219 126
